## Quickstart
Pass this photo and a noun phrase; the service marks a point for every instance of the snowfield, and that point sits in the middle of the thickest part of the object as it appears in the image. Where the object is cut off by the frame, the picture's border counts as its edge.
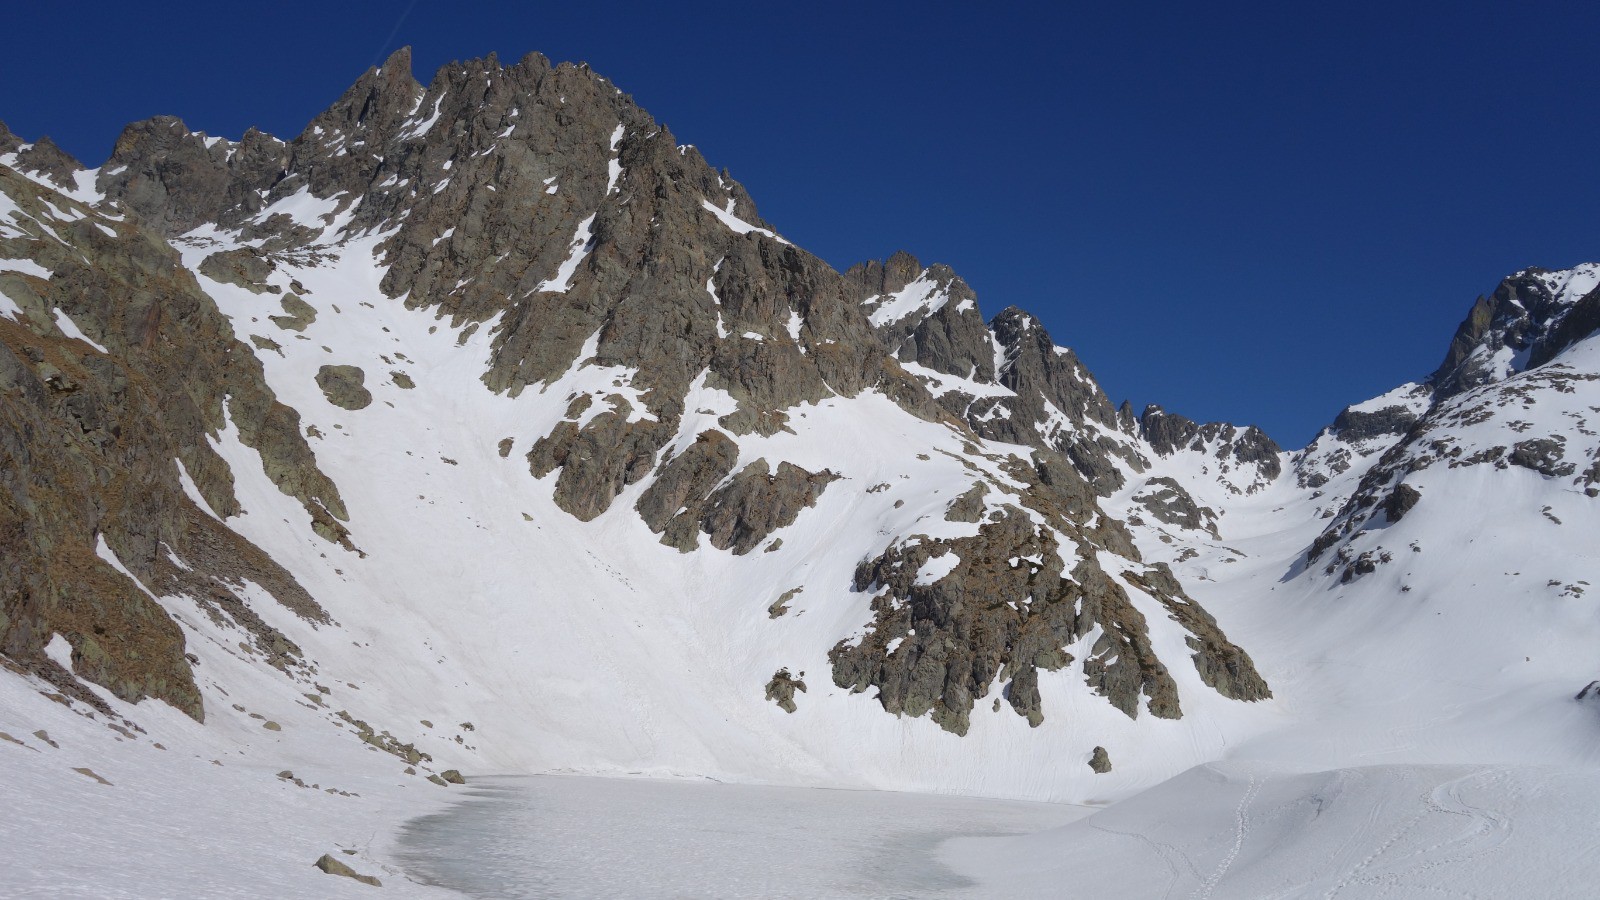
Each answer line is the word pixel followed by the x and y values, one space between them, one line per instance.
pixel 1230 830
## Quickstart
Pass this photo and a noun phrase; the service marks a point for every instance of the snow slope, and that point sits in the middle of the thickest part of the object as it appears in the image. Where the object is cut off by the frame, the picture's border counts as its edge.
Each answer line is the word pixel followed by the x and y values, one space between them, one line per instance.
pixel 1235 830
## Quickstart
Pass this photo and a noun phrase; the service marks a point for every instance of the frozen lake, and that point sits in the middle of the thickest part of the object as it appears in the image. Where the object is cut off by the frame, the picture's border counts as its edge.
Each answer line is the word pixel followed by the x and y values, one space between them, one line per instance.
pixel 569 836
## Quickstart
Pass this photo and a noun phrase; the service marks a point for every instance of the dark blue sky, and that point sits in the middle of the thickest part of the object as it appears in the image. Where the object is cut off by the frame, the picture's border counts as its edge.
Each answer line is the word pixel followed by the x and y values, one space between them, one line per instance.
pixel 1250 212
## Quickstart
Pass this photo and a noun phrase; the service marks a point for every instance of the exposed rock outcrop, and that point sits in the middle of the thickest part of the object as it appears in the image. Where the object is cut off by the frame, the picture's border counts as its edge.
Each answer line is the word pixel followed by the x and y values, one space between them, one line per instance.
pixel 954 616
pixel 334 867
pixel 344 386
pixel 757 502
pixel 781 688
pixel 1169 503
pixel 1245 458
pixel 95 445
pixel 1100 761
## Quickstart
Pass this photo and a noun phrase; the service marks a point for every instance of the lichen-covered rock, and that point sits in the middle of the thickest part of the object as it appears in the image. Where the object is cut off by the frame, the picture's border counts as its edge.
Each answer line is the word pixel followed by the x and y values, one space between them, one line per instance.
pixel 344 386
pixel 781 688
pixel 298 314
pixel 246 267
pixel 1100 761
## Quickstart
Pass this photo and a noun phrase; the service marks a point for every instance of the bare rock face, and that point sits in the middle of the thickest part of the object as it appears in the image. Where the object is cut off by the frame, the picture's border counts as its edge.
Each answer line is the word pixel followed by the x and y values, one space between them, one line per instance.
pixel 937 643
pixel 940 327
pixel 757 502
pixel 91 450
pixel 9 143
pixel 1542 455
pixel 1223 666
pixel 1519 329
pixel 969 507
pixel 1058 404
pixel 674 503
pixel 1524 313
pixel 344 386
pixel 246 267
pixel 174 179
pixel 935 647
pixel 1401 500
pixel 44 158
pixel 1582 320
pixel 1494 412
pixel 1356 425
pixel 597 460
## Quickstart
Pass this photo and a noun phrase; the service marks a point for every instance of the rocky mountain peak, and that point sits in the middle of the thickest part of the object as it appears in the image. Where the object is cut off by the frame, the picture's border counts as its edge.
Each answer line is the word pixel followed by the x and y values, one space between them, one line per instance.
pixel 1246 459
pixel 878 277
pixel 1530 317
pixel 44 158
pixel 680 373
pixel 174 179
pixel 1505 330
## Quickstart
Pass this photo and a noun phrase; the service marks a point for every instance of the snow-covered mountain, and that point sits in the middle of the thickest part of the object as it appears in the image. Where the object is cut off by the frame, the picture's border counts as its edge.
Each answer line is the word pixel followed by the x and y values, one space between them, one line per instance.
pixel 483 426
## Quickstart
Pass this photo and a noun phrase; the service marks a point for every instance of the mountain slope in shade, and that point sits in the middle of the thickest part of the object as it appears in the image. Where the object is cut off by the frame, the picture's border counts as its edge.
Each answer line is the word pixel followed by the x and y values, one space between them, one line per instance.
pixel 484 426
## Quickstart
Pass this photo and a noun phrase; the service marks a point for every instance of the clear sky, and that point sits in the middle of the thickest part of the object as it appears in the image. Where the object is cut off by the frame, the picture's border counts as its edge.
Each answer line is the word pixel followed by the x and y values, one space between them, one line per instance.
pixel 1250 212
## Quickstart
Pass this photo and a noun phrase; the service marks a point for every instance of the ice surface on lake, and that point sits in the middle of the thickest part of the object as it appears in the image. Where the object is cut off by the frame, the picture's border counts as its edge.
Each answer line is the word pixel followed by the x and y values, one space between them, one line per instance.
pixel 564 836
